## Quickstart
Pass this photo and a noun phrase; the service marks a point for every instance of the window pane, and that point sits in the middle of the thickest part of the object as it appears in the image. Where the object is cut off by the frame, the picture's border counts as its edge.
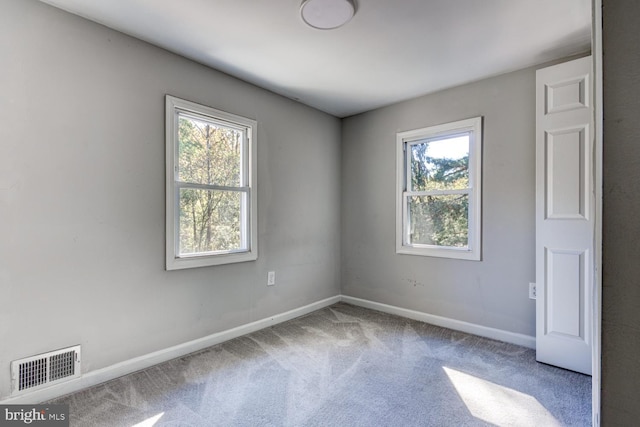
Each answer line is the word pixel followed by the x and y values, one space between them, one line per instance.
pixel 440 164
pixel 210 221
pixel 209 153
pixel 441 220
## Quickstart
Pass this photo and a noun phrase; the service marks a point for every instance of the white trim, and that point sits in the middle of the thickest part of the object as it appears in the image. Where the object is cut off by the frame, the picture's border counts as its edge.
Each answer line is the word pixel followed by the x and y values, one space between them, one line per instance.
pixel 474 249
pixel 596 49
pixel 142 362
pixel 248 186
pixel 138 363
pixel 445 322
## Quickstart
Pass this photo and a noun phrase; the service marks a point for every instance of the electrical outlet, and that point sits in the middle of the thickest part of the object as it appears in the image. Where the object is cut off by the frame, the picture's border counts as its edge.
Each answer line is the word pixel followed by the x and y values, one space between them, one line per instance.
pixel 532 290
pixel 271 278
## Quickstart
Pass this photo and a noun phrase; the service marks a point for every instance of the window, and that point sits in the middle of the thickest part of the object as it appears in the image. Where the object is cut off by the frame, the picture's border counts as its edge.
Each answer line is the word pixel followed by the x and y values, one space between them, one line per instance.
pixel 211 186
pixel 439 190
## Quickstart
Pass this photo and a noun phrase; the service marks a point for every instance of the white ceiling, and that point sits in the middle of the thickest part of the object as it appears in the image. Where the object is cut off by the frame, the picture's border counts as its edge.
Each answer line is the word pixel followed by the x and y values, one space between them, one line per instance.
pixel 391 51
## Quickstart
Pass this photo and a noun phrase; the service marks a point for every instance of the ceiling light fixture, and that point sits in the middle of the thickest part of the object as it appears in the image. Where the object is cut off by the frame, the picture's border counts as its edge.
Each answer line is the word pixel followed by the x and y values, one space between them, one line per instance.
pixel 327 14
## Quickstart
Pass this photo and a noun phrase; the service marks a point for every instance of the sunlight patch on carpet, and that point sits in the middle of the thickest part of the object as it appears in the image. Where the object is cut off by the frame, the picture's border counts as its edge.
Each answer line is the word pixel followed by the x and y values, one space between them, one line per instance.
pixel 498 405
pixel 149 422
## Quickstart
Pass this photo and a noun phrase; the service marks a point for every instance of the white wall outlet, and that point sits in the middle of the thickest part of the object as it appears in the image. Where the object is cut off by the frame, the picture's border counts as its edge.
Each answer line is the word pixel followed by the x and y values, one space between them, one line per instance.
pixel 532 290
pixel 271 278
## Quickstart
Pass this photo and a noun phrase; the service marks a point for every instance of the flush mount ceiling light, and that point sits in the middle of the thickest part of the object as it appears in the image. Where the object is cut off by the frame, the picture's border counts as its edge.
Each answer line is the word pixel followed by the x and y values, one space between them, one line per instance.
pixel 327 14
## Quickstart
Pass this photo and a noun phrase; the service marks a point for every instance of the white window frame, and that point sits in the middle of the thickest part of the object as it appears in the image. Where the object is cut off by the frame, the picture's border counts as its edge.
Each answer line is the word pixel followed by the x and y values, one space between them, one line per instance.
pixel 175 106
pixel 403 139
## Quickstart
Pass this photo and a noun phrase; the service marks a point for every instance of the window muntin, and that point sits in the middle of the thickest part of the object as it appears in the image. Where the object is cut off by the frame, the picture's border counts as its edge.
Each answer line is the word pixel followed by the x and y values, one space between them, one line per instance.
pixel 439 169
pixel 211 198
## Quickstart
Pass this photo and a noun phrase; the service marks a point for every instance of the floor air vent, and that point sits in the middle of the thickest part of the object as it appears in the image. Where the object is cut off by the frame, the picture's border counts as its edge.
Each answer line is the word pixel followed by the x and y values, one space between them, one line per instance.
pixel 45 369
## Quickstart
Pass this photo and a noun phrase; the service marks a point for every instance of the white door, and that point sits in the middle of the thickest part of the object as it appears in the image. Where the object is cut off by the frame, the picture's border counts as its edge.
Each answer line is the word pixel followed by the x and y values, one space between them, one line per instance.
pixel 564 214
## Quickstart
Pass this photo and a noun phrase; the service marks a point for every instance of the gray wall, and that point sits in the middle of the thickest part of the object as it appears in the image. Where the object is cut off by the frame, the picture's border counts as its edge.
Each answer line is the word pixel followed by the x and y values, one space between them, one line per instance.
pixel 82 196
pixel 493 292
pixel 82 202
pixel 621 223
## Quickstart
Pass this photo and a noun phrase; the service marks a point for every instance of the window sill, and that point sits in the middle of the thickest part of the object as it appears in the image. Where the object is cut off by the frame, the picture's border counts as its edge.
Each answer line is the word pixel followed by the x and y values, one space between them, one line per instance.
pixel 207 261
pixel 452 253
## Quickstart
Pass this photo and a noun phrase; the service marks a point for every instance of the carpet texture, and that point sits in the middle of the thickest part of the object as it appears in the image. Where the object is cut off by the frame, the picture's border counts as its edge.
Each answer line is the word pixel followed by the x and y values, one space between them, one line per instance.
pixel 344 366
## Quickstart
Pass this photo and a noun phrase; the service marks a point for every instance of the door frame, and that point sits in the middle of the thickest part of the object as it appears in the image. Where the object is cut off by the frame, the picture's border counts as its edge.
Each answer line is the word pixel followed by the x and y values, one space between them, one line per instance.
pixel 596 52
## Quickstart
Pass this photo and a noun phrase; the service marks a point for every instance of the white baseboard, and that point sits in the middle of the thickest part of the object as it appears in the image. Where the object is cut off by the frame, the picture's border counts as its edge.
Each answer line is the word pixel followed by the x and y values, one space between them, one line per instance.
pixel 445 322
pixel 132 365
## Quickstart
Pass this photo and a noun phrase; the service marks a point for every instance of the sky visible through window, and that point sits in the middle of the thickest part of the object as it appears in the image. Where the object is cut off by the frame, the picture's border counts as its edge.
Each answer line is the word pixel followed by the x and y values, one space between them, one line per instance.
pixel 449 148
